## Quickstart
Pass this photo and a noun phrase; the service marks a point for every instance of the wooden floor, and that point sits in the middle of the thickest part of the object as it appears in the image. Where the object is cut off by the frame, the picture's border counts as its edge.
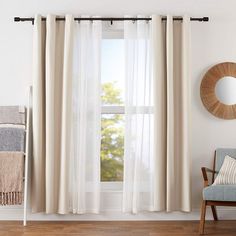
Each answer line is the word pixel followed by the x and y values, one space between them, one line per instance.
pixel 128 228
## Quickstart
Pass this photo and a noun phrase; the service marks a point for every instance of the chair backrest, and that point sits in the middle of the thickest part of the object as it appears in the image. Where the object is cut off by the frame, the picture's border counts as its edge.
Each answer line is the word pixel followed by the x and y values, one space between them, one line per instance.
pixel 220 156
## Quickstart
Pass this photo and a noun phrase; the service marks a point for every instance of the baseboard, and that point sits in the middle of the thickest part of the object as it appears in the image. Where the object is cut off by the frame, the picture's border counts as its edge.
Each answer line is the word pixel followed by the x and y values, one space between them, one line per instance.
pixel 16 213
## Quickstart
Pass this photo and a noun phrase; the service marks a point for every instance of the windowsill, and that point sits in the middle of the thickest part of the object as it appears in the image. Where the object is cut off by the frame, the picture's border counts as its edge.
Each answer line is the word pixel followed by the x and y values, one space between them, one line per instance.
pixel 109 187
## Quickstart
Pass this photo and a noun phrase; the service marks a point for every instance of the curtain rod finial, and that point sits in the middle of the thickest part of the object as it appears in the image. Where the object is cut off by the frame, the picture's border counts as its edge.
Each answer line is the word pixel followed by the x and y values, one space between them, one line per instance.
pixel 205 18
pixel 17 18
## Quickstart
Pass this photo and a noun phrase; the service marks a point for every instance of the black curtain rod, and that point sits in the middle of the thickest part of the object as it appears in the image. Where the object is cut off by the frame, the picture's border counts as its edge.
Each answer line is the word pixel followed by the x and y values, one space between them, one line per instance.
pixel 19 19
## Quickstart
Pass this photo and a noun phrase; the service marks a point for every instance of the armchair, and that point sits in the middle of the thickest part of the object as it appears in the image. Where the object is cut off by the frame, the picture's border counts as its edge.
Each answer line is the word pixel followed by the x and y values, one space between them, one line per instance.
pixel 216 195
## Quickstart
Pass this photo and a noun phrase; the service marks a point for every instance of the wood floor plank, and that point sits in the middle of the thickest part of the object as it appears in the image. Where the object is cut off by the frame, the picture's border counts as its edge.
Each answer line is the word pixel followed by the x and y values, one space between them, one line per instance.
pixel 116 228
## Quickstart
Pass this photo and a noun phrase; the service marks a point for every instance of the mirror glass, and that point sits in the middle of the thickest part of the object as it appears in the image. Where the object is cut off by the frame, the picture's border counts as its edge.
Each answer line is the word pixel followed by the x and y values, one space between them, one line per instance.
pixel 226 90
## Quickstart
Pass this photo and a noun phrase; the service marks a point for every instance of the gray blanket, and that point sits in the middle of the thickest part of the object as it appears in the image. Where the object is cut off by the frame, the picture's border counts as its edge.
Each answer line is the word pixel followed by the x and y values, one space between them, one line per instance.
pixel 12 115
pixel 12 139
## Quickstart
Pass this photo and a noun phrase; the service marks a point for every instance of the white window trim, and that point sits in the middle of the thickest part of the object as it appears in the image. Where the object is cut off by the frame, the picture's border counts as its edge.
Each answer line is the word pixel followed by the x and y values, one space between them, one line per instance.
pixel 121 110
pixel 113 110
pixel 111 186
pixel 113 31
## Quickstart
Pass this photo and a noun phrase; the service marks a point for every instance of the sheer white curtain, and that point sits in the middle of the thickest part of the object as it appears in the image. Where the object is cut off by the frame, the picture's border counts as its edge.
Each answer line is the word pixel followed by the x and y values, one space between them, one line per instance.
pixel 157 115
pixel 85 159
pixel 138 154
pixel 66 116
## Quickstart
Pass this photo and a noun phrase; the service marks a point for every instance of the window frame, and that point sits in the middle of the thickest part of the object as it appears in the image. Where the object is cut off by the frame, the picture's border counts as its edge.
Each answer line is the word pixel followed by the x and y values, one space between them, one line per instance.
pixel 114 31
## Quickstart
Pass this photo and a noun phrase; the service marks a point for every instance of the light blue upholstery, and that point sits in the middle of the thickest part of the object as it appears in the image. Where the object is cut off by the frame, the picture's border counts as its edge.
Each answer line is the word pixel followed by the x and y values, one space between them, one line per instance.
pixel 221 192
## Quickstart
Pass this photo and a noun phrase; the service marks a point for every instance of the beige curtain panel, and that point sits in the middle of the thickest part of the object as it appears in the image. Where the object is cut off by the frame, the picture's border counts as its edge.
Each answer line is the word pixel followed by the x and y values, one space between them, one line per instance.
pixel 52 86
pixel 66 116
pixel 171 75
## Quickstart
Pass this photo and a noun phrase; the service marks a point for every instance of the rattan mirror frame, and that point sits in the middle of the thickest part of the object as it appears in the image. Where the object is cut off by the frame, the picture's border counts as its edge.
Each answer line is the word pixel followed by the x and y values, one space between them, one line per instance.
pixel 207 90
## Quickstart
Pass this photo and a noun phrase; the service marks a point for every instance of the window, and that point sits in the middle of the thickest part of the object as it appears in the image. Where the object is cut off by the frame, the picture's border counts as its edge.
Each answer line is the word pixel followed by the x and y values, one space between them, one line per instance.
pixel 112 140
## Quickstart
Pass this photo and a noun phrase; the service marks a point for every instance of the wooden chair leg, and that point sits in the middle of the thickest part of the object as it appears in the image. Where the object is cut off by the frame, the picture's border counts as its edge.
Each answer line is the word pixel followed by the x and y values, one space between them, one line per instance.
pixel 214 212
pixel 202 220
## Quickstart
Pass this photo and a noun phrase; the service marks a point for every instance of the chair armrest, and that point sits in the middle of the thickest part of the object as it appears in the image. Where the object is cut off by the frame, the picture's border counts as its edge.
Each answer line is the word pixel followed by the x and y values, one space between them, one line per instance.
pixel 204 174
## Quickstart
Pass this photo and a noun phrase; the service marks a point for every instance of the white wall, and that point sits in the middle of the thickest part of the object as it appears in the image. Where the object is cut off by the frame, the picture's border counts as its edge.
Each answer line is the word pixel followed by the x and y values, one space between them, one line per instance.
pixel 212 42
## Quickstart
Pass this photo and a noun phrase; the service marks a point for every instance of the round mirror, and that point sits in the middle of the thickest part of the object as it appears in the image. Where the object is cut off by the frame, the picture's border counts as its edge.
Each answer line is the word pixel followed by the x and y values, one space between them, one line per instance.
pixel 218 90
pixel 226 90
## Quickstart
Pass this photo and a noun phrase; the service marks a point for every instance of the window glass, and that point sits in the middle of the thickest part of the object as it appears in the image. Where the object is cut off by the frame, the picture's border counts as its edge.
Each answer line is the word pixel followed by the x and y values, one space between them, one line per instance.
pixel 112 140
pixel 112 71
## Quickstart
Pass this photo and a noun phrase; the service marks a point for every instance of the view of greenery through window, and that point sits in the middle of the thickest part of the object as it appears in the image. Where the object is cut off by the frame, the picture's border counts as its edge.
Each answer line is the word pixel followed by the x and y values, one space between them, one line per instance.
pixel 112 141
pixel 112 130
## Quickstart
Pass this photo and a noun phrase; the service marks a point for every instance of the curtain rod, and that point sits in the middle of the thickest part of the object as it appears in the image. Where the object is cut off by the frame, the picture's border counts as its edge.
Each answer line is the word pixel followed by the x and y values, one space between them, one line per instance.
pixel 21 19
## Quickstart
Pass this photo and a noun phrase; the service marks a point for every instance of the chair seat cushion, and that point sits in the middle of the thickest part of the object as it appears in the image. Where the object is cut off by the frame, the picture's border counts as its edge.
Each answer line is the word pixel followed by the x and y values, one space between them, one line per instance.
pixel 225 192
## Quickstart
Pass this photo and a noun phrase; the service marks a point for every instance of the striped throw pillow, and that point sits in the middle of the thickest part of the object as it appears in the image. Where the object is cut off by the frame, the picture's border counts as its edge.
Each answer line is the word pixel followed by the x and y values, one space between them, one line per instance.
pixel 227 173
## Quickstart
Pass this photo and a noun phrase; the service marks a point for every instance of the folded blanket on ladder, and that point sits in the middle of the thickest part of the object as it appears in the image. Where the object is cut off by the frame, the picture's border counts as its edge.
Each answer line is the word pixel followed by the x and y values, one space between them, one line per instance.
pixel 12 139
pixel 11 178
pixel 12 115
